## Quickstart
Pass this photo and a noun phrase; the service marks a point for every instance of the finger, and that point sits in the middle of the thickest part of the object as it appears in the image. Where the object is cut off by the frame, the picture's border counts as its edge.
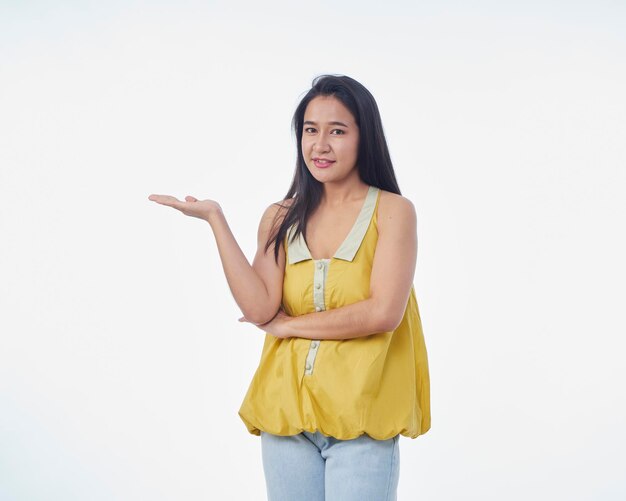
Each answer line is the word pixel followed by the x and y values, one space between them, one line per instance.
pixel 166 200
pixel 189 198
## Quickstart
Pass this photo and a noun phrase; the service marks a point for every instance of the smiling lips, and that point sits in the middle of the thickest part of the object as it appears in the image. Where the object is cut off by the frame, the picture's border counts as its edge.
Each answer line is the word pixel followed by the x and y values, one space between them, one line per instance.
pixel 322 163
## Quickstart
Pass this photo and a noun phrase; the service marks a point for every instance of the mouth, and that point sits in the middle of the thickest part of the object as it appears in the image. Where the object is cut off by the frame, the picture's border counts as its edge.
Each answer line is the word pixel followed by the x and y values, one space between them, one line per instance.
pixel 322 163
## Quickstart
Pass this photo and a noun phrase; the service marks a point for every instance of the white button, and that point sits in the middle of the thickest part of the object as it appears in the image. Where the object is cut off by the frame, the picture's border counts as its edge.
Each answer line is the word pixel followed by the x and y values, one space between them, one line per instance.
pixel 318 308
pixel 318 285
pixel 314 344
pixel 308 367
pixel 320 265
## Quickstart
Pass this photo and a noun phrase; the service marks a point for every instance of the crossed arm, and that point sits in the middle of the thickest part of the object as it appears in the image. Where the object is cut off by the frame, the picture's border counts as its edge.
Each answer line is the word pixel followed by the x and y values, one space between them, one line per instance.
pixel 391 280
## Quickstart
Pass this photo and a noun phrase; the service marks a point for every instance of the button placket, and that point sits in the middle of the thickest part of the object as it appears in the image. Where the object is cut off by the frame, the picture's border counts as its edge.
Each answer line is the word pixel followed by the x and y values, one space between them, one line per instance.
pixel 319 282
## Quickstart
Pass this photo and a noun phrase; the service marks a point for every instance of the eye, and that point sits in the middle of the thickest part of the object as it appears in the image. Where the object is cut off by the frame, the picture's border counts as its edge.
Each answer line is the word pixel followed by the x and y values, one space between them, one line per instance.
pixel 310 130
pixel 338 132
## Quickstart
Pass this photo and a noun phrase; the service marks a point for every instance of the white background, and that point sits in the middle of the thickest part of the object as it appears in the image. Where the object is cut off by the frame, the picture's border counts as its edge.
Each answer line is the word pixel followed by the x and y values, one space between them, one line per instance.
pixel 122 364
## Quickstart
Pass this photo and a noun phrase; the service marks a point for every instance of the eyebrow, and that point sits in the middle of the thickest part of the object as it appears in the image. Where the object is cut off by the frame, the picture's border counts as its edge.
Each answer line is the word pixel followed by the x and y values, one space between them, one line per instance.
pixel 310 122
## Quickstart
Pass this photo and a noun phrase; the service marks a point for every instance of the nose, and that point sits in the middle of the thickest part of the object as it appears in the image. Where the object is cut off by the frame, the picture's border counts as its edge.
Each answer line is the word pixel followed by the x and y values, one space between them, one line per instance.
pixel 321 145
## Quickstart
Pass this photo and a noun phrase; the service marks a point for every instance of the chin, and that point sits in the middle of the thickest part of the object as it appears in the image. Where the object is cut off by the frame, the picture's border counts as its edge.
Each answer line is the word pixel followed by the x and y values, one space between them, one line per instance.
pixel 323 178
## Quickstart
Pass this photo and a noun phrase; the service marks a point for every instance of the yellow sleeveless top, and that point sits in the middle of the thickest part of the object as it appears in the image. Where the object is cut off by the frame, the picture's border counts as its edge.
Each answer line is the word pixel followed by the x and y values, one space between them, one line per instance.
pixel 377 384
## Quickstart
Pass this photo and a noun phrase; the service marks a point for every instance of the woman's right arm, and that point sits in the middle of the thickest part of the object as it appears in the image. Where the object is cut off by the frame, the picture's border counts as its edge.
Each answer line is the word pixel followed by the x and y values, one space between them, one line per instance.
pixel 257 288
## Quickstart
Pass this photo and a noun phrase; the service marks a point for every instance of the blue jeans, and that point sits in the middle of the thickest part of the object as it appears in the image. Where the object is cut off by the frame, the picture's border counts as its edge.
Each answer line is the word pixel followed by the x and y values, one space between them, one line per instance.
pixel 314 467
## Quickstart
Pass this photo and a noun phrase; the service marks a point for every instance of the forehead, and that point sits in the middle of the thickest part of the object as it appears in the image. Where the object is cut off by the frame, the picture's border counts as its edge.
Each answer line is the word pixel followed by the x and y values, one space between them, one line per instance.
pixel 327 108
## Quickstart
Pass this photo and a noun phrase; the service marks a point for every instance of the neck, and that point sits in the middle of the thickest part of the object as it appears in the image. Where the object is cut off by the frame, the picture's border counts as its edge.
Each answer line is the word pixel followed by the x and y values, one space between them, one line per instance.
pixel 346 191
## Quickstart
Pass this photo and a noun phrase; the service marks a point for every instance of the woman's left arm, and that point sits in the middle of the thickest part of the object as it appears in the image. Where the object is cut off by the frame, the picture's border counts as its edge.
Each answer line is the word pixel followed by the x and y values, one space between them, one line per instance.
pixel 392 275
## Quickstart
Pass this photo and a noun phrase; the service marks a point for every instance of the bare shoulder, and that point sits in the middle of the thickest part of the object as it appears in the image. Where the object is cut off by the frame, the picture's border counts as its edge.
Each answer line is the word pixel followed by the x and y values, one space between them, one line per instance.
pixel 277 210
pixel 394 209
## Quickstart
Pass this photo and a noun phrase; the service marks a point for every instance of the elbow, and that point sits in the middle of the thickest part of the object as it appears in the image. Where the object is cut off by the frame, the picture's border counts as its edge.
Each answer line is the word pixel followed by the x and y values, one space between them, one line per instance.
pixel 387 319
pixel 388 324
pixel 260 316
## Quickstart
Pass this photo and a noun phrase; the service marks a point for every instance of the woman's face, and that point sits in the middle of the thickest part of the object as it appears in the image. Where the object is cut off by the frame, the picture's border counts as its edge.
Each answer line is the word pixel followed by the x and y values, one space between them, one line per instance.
pixel 330 139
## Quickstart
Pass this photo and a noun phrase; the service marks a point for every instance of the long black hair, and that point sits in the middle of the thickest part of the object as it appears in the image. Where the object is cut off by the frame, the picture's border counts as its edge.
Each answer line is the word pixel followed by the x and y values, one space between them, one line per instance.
pixel 373 161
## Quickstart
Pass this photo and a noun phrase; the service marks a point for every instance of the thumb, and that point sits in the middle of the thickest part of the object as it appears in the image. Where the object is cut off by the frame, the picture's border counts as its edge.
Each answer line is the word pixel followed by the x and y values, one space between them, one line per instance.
pixel 189 198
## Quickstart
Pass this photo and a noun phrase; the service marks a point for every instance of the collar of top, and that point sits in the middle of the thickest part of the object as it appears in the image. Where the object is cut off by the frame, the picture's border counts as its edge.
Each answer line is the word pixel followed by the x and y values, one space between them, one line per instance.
pixel 298 250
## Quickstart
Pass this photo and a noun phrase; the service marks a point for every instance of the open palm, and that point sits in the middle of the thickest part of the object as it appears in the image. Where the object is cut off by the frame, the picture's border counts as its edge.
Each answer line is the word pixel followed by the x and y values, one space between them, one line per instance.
pixel 193 207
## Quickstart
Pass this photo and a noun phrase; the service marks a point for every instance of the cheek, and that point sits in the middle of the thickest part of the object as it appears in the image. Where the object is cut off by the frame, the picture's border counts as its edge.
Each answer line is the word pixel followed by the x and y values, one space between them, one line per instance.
pixel 354 149
pixel 355 145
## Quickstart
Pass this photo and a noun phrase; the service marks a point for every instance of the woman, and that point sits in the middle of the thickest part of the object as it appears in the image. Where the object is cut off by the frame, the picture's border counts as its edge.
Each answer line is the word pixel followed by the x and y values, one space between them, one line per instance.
pixel 344 369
